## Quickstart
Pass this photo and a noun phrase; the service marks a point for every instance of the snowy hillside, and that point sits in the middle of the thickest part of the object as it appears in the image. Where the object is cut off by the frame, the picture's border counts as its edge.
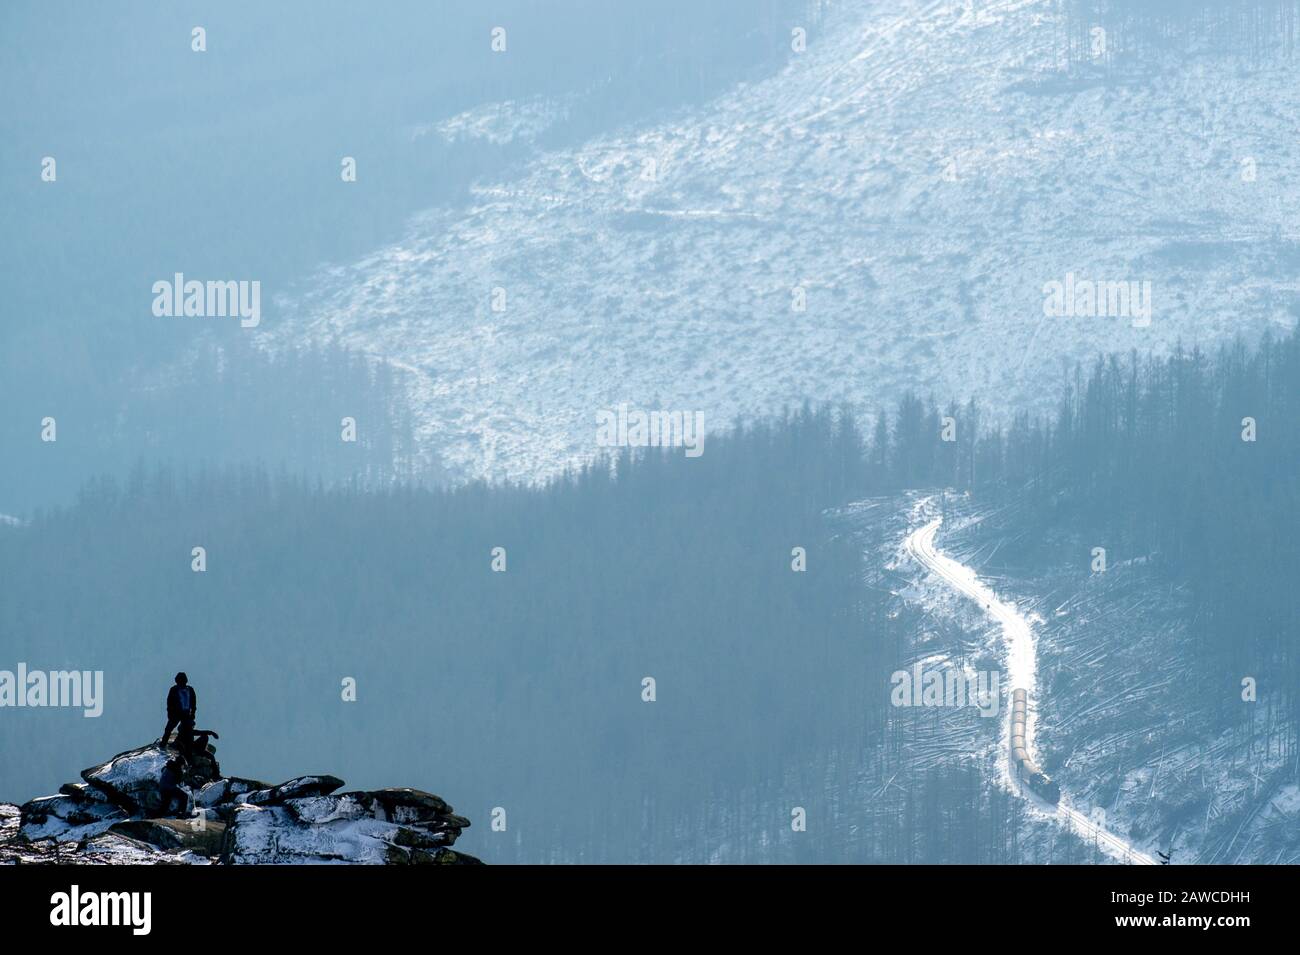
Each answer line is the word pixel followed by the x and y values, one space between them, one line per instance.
pixel 921 171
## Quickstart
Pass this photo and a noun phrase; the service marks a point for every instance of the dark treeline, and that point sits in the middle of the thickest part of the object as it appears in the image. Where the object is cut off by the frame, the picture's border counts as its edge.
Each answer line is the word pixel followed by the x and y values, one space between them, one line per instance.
pixel 1151 458
pixel 226 401
pixel 1257 29
pixel 519 689
pixel 285 410
pixel 1155 458
pixel 523 689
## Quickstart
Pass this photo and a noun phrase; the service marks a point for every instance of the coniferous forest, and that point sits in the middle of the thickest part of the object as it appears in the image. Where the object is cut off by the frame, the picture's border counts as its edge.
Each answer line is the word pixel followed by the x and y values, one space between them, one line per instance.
pixel 225 401
pixel 522 677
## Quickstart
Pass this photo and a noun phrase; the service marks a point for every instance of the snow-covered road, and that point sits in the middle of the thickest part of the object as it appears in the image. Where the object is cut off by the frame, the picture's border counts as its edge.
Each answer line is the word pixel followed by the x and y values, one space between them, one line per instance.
pixel 1021 670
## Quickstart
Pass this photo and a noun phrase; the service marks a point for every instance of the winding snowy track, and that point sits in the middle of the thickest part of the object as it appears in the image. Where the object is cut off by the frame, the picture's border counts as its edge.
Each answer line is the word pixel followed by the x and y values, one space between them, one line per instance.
pixel 1022 664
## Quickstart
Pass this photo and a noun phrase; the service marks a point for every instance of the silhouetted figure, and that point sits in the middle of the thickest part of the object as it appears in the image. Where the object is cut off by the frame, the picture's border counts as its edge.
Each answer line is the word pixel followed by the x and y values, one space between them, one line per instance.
pixel 182 702
pixel 169 785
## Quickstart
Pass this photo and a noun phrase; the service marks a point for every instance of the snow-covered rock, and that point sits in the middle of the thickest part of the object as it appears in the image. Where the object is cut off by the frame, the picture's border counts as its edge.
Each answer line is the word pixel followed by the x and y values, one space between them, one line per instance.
pixel 293 789
pixel 10 817
pixel 131 779
pixel 112 818
pixel 204 834
pixel 226 789
pixel 351 828
pixel 115 848
pixel 84 790
pixel 67 818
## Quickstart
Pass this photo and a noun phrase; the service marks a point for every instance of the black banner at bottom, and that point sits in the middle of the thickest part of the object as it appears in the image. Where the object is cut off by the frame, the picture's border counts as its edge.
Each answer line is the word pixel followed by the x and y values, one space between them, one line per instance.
pixel 331 904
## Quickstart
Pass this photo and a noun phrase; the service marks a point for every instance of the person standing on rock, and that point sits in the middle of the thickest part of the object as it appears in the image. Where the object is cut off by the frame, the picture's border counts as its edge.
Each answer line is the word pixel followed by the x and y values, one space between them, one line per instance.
pixel 182 702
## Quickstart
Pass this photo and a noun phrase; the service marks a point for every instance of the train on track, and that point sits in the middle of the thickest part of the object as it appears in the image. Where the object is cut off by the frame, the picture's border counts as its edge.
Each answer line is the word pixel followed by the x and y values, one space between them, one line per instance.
pixel 1026 769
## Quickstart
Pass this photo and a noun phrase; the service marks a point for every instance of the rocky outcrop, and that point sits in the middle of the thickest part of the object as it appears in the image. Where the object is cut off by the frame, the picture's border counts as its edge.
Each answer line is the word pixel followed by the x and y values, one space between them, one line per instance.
pixel 201 834
pixel 386 826
pixel 131 779
pixel 226 790
pixel 66 817
pixel 114 816
pixel 299 788
pixel 9 819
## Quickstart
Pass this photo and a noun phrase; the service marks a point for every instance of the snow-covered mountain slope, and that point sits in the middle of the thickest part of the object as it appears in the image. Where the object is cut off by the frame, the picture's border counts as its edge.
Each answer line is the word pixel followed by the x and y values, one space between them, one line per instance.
pixel 1021 664
pixel 921 171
